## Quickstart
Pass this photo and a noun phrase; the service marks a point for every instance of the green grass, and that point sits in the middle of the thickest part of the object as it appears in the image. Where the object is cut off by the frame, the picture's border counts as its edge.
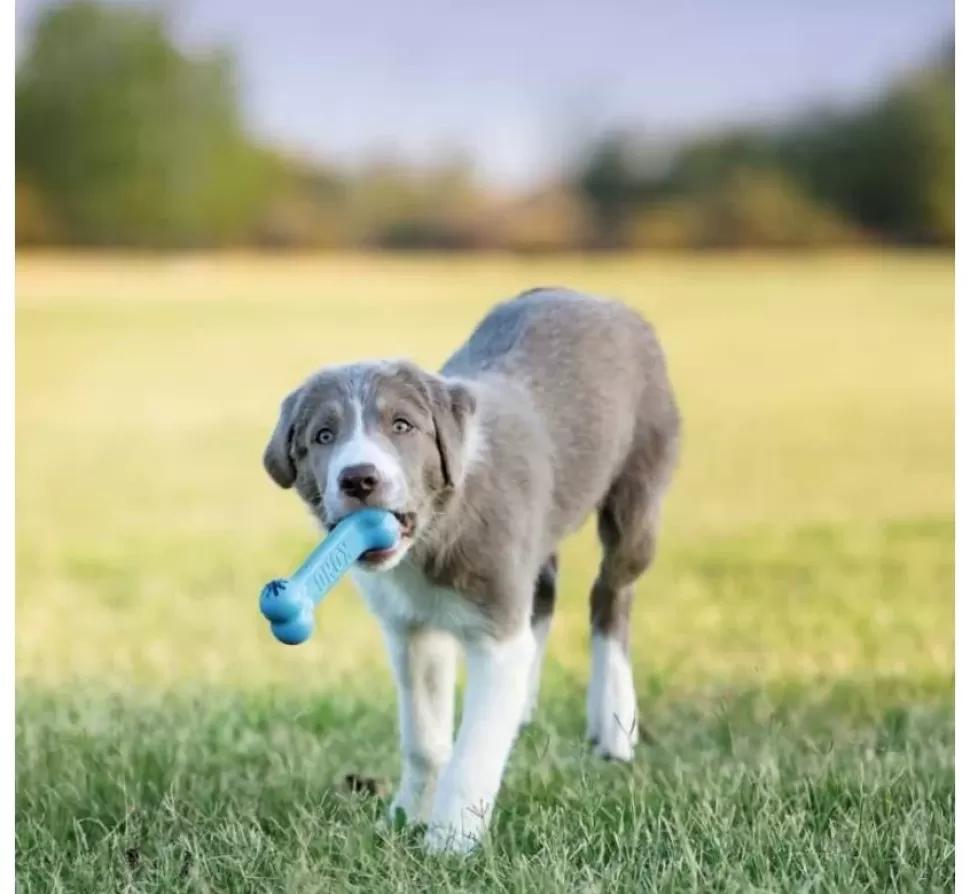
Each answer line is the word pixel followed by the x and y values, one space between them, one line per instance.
pixel 793 644
pixel 846 789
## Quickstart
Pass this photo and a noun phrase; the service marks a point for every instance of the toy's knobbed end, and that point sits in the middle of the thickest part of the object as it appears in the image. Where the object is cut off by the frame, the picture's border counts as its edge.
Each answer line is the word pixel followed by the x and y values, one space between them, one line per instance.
pixel 278 603
pixel 295 631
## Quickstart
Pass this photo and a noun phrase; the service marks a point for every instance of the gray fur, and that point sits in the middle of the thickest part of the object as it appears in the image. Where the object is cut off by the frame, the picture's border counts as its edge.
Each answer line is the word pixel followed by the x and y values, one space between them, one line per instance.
pixel 578 414
pixel 573 413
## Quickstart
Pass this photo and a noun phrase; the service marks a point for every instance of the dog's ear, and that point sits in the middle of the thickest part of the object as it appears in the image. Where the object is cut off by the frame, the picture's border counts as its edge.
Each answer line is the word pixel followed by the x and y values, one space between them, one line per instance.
pixel 278 455
pixel 452 406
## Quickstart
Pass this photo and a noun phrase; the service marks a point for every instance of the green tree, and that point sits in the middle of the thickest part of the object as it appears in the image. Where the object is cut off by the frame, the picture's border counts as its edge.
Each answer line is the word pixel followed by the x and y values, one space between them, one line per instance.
pixel 888 165
pixel 611 186
pixel 128 140
pixel 885 167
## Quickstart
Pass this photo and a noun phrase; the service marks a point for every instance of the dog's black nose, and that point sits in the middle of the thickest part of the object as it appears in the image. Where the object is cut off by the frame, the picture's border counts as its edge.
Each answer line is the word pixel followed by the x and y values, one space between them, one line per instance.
pixel 359 481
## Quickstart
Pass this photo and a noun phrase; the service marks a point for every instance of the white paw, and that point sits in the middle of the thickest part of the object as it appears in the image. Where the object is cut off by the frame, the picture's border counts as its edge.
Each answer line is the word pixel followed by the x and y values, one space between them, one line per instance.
pixel 458 825
pixel 611 703
pixel 618 741
pixel 459 837
pixel 414 799
pixel 401 813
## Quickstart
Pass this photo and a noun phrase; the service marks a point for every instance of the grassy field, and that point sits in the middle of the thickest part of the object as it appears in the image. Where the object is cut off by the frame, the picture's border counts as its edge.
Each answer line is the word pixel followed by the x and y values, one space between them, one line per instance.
pixel 793 644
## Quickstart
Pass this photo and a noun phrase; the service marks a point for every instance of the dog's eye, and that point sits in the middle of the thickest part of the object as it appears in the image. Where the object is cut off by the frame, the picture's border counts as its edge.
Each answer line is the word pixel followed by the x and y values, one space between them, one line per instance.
pixel 401 426
pixel 324 436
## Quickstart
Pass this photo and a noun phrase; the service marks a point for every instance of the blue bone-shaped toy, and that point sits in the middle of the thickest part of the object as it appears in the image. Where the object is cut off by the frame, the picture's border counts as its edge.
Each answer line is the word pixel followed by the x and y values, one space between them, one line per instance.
pixel 288 604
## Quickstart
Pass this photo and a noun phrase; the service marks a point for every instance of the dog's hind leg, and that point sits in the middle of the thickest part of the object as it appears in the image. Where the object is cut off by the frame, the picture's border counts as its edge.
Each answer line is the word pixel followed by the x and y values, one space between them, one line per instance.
pixel 627 527
pixel 543 606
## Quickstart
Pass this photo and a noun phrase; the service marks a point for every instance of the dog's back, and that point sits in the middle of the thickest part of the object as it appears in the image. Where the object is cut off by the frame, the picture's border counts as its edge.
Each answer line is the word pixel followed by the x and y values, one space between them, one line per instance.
pixel 593 374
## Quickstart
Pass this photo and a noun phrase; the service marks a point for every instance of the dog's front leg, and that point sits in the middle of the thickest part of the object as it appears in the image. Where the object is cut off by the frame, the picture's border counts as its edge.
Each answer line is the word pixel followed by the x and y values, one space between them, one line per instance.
pixel 495 695
pixel 423 662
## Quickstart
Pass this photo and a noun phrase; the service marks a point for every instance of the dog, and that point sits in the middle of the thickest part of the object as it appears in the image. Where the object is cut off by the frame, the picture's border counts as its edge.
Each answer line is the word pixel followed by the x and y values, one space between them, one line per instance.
pixel 558 405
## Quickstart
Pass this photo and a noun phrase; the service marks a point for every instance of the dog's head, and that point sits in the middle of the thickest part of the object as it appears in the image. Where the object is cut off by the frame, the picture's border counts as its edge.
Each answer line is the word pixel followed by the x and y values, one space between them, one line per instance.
pixel 385 434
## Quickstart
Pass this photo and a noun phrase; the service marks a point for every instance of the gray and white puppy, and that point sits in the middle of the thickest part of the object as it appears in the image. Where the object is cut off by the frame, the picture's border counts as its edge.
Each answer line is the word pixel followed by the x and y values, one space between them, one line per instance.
pixel 558 405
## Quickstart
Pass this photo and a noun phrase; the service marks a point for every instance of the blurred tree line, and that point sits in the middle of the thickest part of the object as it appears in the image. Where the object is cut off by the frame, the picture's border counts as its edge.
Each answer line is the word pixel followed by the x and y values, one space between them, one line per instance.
pixel 123 139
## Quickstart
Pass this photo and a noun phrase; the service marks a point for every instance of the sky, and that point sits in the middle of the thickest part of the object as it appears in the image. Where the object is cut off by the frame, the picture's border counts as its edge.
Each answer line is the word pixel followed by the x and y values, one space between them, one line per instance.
pixel 513 81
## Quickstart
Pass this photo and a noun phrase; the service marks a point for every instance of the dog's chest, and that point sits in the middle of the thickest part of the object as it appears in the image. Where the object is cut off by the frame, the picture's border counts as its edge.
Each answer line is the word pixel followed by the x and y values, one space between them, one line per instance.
pixel 403 596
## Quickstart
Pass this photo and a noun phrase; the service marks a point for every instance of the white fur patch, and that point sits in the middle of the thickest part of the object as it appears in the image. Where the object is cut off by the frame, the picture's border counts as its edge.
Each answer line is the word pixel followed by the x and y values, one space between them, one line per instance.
pixel 495 694
pixel 611 701
pixel 403 597
pixel 540 632
pixel 358 449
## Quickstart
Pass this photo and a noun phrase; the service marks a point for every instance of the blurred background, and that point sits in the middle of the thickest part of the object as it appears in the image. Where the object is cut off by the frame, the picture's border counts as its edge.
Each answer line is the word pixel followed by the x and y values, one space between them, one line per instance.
pixel 215 198
pixel 539 128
